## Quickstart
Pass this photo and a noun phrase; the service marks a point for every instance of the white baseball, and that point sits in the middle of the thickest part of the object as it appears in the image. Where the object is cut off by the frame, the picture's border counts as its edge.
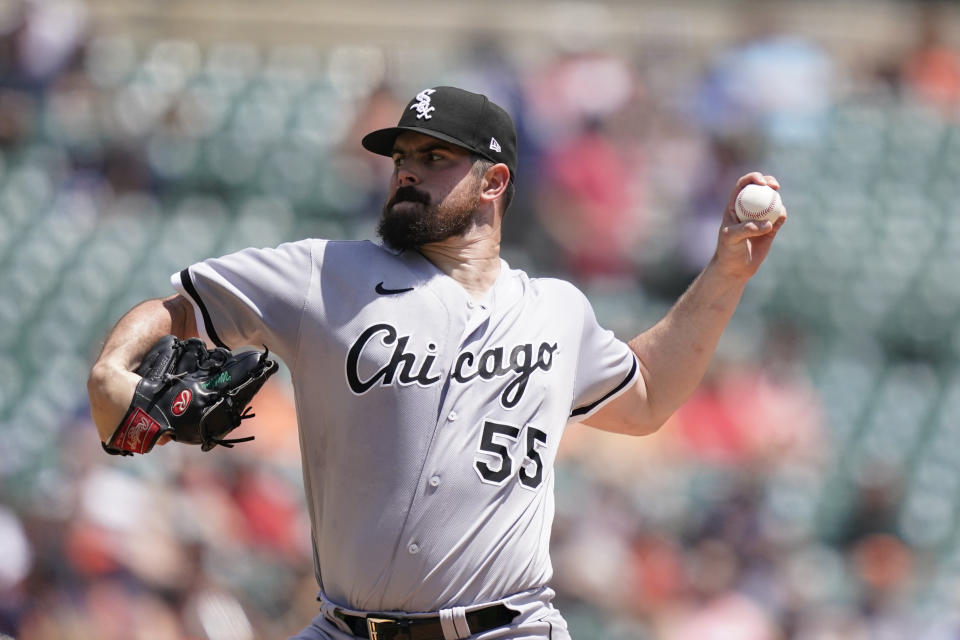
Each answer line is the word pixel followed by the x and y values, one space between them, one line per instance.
pixel 758 202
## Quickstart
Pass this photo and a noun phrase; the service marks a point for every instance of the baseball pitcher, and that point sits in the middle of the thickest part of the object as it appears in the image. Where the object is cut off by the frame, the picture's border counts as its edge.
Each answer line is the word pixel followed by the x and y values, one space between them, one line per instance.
pixel 433 382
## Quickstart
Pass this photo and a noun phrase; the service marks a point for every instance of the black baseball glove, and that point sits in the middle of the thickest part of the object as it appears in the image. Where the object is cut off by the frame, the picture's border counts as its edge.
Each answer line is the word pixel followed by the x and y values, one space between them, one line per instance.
pixel 194 394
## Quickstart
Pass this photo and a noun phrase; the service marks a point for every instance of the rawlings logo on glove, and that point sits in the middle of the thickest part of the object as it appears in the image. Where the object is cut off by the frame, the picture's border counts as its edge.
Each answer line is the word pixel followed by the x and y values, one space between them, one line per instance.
pixel 193 394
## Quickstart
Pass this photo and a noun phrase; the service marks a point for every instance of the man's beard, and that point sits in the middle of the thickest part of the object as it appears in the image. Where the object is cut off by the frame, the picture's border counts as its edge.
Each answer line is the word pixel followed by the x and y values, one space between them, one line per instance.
pixel 410 227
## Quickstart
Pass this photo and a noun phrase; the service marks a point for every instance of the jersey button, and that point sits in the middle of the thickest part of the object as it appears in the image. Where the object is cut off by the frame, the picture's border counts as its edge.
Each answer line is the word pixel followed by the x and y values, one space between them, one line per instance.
pixel 452 416
pixel 435 481
pixel 414 548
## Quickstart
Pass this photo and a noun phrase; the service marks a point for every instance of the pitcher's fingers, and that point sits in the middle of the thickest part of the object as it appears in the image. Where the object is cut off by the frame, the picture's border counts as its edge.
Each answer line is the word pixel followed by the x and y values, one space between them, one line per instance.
pixel 754 177
pixel 736 233
pixel 781 219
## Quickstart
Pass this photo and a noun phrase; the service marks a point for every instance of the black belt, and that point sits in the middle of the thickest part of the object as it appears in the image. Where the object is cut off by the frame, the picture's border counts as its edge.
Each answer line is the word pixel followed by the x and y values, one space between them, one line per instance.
pixel 377 626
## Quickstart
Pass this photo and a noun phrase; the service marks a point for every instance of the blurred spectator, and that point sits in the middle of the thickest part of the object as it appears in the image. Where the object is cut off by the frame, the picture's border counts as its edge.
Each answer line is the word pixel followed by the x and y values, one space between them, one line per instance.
pixel 588 164
pixel 581 81
pixel 16 118
pixel 365 172
pixel 587 206
pixel 16 562
pixel 930 70
pixel 885 565
pixel 773 84
pixel 783 423
pixel 53 33
pixel 37 41
pixel 714 609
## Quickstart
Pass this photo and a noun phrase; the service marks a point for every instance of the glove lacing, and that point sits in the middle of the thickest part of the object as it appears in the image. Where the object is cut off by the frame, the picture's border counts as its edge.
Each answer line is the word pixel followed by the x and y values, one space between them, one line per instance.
pixel 209 442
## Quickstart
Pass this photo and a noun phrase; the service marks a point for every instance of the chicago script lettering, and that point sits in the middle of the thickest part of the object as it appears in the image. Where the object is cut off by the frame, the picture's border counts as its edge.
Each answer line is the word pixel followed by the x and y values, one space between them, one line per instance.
pixel 490 364
pixel 405 367
pixel 400 359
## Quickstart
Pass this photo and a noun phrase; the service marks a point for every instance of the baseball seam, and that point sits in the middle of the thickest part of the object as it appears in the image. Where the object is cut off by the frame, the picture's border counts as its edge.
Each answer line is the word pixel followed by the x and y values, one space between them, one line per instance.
pixel 756 214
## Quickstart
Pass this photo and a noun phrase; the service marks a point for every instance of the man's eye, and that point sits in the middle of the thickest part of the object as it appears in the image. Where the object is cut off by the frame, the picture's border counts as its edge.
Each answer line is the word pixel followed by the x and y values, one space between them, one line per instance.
pixel 398 161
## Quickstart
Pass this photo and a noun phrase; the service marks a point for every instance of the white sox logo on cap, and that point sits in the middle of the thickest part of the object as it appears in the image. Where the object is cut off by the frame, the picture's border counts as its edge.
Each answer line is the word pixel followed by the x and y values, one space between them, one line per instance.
pixel 466 119
pixel 422 105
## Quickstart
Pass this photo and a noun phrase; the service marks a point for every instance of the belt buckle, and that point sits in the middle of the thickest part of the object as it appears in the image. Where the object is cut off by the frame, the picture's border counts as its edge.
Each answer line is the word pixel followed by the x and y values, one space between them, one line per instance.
pixel 373 630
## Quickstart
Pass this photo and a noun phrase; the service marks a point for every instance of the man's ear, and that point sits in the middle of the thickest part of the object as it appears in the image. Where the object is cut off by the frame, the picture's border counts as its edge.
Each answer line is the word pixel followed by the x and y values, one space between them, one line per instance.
pixel 495 181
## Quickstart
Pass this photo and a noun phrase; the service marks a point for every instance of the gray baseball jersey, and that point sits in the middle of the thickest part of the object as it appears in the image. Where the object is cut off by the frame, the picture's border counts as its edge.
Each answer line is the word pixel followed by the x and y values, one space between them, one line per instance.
pixel 429 423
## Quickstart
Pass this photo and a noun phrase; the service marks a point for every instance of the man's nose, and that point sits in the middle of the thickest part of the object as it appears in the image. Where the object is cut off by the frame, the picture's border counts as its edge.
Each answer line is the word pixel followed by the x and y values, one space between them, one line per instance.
pixel 406 177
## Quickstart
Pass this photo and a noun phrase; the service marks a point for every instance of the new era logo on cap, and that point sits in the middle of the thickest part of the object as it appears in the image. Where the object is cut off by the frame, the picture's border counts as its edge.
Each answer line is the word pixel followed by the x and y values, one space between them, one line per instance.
pixel 466 119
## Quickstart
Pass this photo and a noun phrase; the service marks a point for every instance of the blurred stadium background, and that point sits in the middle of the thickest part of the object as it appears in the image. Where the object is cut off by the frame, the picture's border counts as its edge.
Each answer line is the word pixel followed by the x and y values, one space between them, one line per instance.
pixel 808 491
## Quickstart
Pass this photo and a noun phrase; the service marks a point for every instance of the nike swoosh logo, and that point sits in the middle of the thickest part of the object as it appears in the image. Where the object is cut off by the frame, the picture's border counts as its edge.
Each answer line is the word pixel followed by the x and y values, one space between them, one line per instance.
pixel 388 292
